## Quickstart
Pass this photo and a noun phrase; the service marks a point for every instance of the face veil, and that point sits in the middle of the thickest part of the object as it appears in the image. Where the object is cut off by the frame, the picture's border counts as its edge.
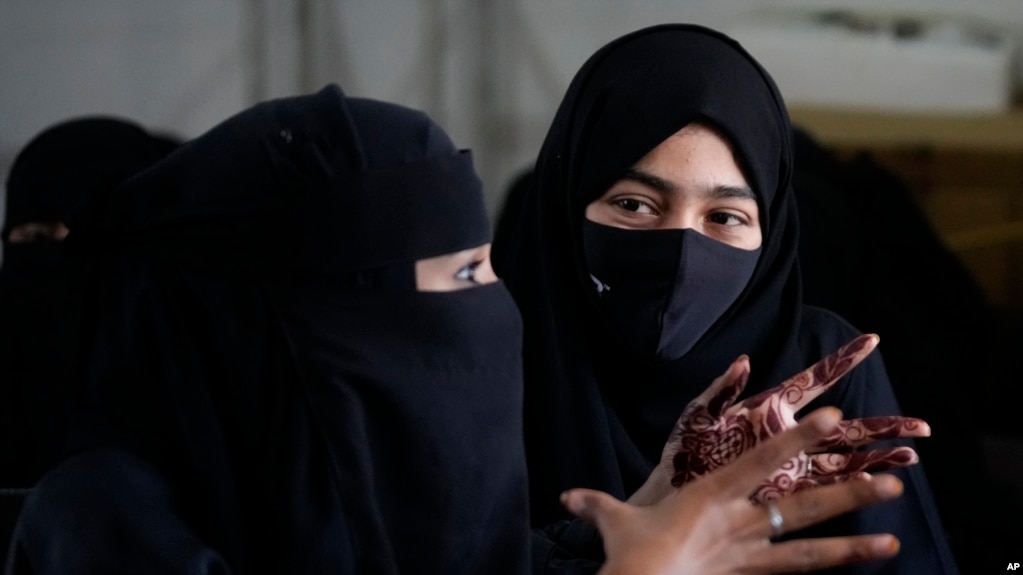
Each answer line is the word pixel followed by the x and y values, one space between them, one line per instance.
pixel 663 289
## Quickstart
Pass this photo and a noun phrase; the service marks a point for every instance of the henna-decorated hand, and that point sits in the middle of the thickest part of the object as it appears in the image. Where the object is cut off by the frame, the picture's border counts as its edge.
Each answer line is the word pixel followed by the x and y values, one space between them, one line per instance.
pixel 710 525
pixel 712 431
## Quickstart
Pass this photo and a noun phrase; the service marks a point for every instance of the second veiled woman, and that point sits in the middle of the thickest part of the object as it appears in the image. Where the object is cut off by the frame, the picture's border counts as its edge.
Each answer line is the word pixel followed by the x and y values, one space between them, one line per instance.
pixel 274 391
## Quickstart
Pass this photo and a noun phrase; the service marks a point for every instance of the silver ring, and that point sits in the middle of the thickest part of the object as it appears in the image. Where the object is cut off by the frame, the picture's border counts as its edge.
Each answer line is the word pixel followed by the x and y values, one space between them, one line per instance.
pixel 776 520
pixel 809 465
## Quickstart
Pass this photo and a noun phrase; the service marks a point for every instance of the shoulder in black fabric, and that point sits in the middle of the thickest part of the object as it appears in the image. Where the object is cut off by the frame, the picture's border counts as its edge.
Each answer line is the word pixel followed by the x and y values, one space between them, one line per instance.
pixel 305 420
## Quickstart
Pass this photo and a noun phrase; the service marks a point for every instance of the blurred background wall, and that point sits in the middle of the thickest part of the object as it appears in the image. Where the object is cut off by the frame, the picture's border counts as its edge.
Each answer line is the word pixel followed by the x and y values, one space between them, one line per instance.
pixel 492 72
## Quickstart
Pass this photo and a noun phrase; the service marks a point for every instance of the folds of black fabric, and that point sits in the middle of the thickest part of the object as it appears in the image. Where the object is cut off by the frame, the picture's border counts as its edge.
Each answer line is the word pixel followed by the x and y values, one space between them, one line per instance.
pixel 869 251
pixel 58 171
pixel 288 419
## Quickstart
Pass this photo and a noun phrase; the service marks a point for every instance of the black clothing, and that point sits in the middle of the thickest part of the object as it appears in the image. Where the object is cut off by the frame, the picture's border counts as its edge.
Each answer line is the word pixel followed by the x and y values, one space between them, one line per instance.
pixel 290 399
pixel 870 253
pixel 40 305
pixel 68 163
pixel 597 414
pixel 661 273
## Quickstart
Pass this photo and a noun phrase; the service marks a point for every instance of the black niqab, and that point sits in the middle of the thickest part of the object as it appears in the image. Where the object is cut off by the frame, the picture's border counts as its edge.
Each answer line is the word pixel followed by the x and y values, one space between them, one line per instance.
pixel 266 356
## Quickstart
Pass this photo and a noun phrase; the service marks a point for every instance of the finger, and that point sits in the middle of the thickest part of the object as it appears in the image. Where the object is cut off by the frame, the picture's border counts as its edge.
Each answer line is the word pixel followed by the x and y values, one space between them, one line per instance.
pixel 818 481
pixel 746 472
pixel 805 386
pixel 828 464
pixel 811 506
pixel 723 391
pixel 823 374
pixel 804 555
pixel 594 506
pixel 857 432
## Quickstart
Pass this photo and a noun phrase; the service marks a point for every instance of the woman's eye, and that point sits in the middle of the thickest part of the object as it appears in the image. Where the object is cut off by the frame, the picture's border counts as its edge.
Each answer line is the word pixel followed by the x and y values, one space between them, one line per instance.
pixel 726 219
pixel 468 273
pixel 634 205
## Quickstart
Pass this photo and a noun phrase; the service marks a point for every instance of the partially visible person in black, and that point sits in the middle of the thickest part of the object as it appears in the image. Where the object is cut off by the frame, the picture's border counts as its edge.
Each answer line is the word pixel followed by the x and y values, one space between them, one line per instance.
pixel 869 252
pixel 56 172
pixel 305 364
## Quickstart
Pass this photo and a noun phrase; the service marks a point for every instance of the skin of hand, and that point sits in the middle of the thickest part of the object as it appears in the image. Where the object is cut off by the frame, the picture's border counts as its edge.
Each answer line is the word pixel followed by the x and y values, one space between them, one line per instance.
pixel 713 430
pixel 710 526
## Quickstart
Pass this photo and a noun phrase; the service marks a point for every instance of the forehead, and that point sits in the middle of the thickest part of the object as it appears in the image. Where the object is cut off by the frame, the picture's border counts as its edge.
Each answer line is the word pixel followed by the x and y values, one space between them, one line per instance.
pixel 695 151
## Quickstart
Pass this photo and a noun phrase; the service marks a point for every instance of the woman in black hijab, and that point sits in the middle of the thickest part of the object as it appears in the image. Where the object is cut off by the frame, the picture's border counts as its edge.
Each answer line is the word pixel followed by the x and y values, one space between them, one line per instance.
pixel 273 392
pixel 624 328
pixel 54 174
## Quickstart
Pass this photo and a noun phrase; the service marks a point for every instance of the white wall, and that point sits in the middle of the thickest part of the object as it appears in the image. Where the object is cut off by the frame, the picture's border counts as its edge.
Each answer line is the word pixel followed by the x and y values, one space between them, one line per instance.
pixel 490 72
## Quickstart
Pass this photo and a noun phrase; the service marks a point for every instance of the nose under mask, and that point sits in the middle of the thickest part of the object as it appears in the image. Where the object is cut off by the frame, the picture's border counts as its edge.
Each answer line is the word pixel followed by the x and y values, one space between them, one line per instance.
pixel 664 289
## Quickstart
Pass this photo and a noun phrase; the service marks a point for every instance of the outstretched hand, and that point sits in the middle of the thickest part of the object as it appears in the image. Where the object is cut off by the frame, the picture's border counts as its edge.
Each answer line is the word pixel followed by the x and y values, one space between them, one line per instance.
pixel 713 430
pixel 710 527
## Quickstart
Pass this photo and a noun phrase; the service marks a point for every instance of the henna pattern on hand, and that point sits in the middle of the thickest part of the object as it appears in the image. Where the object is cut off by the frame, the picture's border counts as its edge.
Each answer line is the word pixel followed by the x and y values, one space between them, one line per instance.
pixel 712 431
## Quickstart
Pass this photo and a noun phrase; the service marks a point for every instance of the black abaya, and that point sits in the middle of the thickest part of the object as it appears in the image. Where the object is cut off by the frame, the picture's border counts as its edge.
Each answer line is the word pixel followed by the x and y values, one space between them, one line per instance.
pixel 268 376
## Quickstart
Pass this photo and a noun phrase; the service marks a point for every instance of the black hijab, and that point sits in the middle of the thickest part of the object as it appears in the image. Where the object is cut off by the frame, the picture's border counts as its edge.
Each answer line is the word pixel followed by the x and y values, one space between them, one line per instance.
pixel 597 414
pixel 629 97
pixel 54 174
pixel 268 357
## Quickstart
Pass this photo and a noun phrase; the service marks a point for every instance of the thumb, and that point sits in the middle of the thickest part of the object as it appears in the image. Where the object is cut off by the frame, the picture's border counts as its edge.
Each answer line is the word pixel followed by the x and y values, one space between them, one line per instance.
pixel 594 506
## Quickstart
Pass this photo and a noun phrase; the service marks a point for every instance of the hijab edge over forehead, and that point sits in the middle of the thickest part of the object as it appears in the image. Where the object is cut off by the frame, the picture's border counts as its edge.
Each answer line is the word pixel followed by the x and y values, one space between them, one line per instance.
pixel 657 80
pixel 631 95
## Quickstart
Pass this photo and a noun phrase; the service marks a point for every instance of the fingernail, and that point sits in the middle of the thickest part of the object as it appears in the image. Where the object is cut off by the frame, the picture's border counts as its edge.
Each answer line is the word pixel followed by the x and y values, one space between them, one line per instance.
pixel 888 545
pixel 888 486
pixel 834 415
pixel 569 503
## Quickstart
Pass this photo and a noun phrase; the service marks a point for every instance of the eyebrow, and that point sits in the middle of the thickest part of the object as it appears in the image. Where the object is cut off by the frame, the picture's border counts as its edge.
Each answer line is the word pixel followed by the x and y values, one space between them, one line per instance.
pixel 666 187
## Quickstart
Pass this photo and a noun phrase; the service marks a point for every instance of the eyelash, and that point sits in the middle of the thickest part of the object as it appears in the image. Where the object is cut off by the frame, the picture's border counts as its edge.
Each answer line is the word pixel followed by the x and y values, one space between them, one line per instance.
pixel 468 273
pixel 713 218
pixel 637 203
pixel 738 221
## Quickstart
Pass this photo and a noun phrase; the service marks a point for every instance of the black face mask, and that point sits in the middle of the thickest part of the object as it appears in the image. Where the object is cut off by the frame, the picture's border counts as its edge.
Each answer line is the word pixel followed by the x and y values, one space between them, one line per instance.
pixel 663 289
